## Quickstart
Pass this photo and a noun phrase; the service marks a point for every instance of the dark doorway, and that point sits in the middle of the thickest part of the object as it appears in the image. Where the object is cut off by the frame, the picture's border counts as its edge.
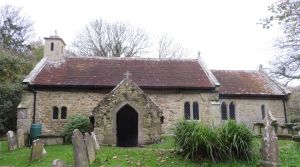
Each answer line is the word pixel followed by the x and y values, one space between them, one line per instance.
pixel 127 127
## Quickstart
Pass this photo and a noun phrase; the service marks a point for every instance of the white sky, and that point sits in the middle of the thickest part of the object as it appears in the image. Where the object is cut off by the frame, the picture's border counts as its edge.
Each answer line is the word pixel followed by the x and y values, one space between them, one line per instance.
pixel 225 31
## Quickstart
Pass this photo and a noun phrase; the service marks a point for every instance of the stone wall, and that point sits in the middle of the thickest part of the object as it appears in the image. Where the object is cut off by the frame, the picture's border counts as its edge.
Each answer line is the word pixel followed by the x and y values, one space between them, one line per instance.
pixel 78 101
pixel 294 104
pixel 248 111
pixel 172 104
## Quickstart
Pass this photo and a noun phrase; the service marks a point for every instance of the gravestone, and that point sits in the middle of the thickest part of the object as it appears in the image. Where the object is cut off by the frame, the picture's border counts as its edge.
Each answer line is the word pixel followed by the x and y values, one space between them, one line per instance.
pixel 37 150
pixel 269 148
pixel 90 147
pixel 79 149
pixel 58 163
pixel 96 144
pixel 20 138
pixel 284 130
pixel 11 140
pixel 256 129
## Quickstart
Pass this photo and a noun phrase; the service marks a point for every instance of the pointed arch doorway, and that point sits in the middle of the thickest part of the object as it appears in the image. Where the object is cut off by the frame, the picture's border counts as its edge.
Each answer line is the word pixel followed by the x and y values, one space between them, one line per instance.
pixel 127 127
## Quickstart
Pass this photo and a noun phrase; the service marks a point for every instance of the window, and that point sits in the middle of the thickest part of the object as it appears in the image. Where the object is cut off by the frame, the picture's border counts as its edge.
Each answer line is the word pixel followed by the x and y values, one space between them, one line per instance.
pixel 232 111
pixel 263 112
pixel 63 114
pixel 52 46
pixel 195 111
pixel 187 111
pixel 55 113
pixel 224 111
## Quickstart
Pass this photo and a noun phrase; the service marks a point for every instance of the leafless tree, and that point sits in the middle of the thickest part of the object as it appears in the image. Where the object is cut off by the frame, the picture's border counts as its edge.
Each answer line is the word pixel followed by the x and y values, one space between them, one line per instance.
pixel 286 64
pixel 101 38
pixel 168 48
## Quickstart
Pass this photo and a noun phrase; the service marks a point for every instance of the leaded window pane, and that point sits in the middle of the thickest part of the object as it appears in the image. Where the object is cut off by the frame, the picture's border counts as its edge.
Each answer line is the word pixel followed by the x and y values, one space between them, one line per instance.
pixel 263 112
pixel 195 111
pixel 55 113
pixel 224 111
pixel 187 114
pixel 232 111
pixel 63 112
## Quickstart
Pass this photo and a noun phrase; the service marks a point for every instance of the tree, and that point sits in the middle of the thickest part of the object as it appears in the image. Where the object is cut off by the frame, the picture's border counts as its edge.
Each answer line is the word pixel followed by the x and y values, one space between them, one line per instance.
pixel 15 29
pixel 12 70
pixel 286 13
pixel 101 38
pixel 167 48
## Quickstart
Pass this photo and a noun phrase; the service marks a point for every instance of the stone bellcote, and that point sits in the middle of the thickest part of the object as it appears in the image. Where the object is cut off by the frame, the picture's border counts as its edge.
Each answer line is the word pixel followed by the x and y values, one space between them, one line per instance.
pixel 54 47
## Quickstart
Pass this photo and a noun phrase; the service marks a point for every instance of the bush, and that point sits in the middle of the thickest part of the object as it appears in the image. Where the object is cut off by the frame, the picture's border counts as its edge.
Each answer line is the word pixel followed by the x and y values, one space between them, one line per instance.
pixel 80 122
pixel 229 142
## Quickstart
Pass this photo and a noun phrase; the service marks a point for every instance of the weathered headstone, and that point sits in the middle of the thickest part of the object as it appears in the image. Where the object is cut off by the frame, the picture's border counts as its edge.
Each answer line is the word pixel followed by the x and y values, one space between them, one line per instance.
pixel 285 131
pixel 269 148
pixel 37 150
pixel 256 129
pixel 58 163
pixel 91 151
pixel 297 129
pixel 96 144
pixel 79 149
pixel 11 140
pixel 20 138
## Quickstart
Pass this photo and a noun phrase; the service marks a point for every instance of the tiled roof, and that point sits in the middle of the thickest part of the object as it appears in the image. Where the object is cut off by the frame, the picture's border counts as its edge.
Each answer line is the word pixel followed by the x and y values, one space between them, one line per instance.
pixel 108 72
pixel 246 83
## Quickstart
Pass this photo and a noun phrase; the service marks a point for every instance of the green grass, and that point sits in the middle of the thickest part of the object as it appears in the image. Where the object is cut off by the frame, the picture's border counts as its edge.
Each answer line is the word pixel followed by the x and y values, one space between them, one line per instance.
pixel 160 154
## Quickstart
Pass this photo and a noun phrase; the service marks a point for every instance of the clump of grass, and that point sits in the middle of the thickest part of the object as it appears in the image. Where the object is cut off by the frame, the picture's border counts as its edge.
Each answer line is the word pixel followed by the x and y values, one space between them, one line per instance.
pixel 231 141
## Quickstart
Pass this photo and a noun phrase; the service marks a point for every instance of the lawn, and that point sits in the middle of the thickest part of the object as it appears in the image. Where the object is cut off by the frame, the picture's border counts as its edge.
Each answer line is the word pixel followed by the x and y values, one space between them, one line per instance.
pixel 160 154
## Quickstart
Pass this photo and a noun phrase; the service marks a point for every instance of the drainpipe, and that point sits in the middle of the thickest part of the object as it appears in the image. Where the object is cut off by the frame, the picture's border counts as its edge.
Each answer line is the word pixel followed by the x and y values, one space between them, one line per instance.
pixel 284 108
pixel 34 102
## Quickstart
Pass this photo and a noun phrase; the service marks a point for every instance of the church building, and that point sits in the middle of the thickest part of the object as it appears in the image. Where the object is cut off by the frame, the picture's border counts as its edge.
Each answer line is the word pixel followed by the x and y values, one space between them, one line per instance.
pixel 133 101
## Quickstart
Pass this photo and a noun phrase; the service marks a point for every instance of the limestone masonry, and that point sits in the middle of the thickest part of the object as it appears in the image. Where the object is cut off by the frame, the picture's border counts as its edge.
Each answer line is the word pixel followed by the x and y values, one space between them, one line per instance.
pixel 150 94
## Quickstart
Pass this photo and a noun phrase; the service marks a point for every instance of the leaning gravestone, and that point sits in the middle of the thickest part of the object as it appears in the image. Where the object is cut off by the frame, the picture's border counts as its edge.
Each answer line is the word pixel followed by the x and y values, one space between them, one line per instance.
pixel 20 138
pixel 269 148
pixel 37 150
pixel 79 149
pixel 11 140
pixel 96 144
pixel 58 163
pixel 91 152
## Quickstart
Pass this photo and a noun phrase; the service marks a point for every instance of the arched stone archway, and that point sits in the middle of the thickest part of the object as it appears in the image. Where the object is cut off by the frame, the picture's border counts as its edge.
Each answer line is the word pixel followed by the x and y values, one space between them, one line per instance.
pixel 127 98
pixel 127 127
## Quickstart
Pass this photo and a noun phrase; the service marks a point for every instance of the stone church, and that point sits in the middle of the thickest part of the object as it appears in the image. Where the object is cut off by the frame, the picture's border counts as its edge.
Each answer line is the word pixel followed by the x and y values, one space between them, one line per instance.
pixel 133 101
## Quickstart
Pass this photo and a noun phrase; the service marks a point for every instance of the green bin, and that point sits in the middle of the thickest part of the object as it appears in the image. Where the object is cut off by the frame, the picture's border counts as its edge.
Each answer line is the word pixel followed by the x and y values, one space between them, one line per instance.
pixel 35 131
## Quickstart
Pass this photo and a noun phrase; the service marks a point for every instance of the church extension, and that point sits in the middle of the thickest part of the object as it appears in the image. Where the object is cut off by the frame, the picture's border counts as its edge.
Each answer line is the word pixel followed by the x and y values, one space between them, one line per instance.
pixel 132 101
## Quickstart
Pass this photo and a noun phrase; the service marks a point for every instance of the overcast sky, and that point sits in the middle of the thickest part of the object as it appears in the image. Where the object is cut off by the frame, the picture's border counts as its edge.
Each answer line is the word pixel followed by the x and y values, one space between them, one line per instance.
pixel 226 32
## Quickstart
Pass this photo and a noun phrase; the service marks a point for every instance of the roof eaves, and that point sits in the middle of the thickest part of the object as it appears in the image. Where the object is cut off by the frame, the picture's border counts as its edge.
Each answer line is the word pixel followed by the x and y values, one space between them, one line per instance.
pixel 284 90
pixel 35 71
pixel 209 74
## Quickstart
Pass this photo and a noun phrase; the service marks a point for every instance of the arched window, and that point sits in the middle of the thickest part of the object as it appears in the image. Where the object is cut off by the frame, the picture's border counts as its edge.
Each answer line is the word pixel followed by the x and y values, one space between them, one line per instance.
pixel 195 111
pixel 52 46
pixel 55 112
pixel 224 111
pixel 187 114
pixel 63 114
pixel 232 111
pixel 263 112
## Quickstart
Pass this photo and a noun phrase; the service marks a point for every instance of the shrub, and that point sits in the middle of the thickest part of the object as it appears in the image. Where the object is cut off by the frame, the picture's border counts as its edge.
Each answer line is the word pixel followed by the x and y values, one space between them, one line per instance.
pixel 237 141
pixel 80 122
pixel 228 142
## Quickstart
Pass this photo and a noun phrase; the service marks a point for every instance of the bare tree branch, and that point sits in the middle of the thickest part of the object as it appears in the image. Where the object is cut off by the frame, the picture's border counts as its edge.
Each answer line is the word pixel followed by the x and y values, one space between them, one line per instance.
pixel 167 48
pixel 100 38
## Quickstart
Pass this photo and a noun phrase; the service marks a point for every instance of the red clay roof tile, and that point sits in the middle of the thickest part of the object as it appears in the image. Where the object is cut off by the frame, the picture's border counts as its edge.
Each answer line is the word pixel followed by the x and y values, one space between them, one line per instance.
pixel 246 83
pixel 103 72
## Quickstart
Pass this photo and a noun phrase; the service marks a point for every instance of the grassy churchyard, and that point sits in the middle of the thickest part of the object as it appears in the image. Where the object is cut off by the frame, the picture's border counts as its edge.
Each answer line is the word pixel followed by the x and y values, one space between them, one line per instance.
pixel 161 154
